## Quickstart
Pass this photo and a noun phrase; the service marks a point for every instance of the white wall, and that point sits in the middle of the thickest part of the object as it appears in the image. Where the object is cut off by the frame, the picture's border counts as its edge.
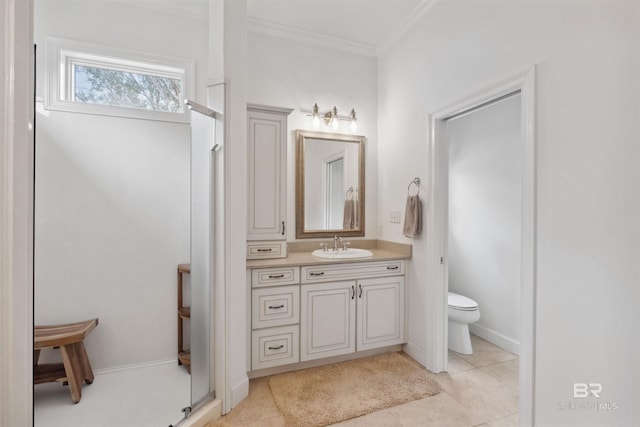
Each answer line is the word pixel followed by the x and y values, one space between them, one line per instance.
pixel 16 212
pixel 234 155
pixel 587 109
pixel 293 74
pixel 485 217
pixel 112 194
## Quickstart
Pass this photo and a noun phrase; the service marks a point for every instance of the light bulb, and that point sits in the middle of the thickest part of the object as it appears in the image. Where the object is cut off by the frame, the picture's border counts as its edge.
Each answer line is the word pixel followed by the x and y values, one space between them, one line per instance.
pixel 335 122
pixel 315 121
pixel 354 121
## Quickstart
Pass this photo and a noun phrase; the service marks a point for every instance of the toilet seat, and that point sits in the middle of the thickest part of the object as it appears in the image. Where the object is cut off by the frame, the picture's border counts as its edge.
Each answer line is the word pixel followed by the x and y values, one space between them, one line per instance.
pixel 460 302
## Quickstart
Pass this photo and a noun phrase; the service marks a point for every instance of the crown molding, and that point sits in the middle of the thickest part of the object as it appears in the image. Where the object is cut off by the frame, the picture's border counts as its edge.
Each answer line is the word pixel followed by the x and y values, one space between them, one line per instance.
pixel 283 31
pixel 409 22
pixel 191 10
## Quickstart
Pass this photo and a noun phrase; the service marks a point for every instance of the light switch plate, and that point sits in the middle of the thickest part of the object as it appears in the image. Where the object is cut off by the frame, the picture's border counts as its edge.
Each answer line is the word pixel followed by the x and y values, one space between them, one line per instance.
pixel 394 216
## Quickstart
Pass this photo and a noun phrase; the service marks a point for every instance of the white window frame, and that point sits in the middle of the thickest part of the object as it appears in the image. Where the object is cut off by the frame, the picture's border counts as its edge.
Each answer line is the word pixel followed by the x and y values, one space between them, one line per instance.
pixel 63 54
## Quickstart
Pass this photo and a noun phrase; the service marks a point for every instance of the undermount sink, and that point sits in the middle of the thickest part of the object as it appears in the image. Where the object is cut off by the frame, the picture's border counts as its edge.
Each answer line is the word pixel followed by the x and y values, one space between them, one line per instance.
pixel 340 254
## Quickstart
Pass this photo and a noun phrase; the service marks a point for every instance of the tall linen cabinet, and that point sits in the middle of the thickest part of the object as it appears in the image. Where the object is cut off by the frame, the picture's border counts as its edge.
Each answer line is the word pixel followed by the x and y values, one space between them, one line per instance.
pixel 267 181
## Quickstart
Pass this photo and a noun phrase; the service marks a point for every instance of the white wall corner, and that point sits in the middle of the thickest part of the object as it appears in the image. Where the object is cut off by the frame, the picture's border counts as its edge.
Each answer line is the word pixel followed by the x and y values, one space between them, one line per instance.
pixel 416 352
pixel 412 19
pixel 235 198
pixel 240 391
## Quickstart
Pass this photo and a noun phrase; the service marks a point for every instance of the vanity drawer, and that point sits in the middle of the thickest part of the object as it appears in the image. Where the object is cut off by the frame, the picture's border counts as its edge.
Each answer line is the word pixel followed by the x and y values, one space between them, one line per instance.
pixel 275 306
pixel 275 347
pixel 275 276
pixel 355 270
pixel 266 250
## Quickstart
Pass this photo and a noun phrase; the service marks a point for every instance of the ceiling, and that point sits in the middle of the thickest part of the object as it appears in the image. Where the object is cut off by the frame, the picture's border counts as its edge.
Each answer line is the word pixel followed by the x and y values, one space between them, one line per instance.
pixel 367 22
pixel 362 26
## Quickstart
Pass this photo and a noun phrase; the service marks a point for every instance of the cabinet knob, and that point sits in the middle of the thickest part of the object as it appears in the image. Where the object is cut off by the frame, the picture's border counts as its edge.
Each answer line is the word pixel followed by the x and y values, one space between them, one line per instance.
pixel 394 267
pixel 276 348
pixel 320 273
pixel 275 307
pixel 276 276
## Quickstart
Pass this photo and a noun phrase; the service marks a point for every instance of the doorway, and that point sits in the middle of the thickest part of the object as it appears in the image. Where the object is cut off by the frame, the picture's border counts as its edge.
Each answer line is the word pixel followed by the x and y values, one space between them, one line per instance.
pixel 484 201
pixel 437 228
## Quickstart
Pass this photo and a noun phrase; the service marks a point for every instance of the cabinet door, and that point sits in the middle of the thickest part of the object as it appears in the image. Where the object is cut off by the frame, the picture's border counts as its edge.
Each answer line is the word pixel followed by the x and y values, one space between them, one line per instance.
pixel 380 312
pixel 327 324
pixel 267 151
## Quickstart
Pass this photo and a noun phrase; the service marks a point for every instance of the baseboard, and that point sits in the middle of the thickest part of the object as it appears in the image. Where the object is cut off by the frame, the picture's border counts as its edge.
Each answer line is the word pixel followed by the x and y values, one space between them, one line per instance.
pixel 207 413
pixel 496 338
pixel 323 361
pixel 415 352
pixel 239 392
pixel 135 366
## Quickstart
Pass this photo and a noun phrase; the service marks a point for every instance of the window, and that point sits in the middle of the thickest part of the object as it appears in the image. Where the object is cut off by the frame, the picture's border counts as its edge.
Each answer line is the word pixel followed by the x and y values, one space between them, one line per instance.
pixel 96 79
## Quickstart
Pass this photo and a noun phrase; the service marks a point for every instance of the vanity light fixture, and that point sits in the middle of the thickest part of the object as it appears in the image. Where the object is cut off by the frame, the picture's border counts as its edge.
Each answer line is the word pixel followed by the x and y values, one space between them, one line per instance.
pixel 332 119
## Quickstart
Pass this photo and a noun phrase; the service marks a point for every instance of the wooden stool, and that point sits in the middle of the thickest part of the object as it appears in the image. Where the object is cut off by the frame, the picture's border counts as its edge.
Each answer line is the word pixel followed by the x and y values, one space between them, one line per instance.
pixel 75 366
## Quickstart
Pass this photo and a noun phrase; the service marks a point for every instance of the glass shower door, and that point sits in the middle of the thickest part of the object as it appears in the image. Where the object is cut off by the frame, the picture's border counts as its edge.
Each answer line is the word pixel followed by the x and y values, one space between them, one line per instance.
pixel 204 124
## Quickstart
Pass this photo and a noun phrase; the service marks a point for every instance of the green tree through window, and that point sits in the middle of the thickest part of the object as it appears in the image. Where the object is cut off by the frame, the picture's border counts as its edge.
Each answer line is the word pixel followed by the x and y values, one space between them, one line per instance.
pixel 104 86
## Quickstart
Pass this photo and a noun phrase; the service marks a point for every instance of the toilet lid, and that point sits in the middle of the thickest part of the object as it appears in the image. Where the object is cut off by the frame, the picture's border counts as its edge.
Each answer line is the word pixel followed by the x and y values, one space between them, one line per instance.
pixel 461 302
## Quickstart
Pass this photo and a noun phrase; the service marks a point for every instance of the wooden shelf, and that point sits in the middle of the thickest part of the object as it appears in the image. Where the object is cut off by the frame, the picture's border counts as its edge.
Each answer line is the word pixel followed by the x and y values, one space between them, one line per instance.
pixel 48 372
pixel 184 313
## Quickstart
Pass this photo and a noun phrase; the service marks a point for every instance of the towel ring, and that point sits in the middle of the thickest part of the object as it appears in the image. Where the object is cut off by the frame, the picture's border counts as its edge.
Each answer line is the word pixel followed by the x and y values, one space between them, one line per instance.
pixel 416 182
pixel 349 191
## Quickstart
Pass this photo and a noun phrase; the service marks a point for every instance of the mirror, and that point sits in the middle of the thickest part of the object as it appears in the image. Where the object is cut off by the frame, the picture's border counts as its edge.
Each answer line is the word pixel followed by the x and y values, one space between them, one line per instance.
pixel 329 184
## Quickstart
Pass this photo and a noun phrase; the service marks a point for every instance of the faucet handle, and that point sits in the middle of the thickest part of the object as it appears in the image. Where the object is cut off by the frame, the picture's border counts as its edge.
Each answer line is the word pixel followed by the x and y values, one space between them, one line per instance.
pixel 345 245
pixel 323 245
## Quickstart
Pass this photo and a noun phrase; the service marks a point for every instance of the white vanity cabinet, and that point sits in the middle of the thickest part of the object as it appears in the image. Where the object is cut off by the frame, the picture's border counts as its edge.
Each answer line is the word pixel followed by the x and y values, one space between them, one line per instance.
pixel 309 312
pixel 275 317
pixel 343 316
pixel 267 181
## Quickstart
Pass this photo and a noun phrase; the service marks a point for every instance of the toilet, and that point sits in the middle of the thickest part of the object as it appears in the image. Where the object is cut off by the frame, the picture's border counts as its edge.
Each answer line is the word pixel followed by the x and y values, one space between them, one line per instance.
pixel 461 311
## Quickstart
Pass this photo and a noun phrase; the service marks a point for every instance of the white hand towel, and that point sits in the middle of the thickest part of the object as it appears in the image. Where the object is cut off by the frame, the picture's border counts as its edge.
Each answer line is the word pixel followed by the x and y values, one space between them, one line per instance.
pixel 348 218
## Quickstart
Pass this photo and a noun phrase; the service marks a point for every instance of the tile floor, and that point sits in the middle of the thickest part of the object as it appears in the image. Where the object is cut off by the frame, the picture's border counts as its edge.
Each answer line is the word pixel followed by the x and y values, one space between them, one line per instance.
pixel 479 390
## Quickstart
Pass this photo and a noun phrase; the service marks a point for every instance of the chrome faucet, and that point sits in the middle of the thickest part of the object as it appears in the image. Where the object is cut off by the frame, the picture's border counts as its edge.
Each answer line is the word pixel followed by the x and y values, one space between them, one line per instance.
pixel 336 239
